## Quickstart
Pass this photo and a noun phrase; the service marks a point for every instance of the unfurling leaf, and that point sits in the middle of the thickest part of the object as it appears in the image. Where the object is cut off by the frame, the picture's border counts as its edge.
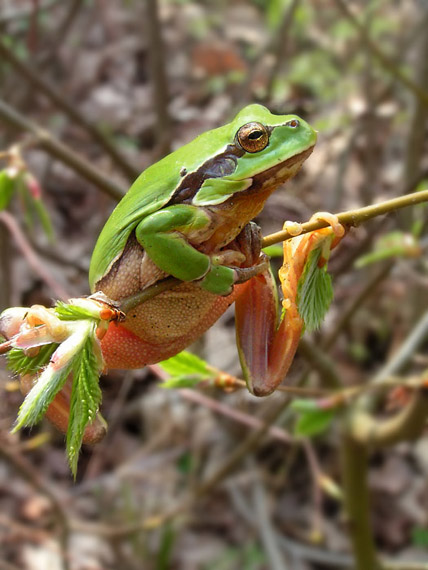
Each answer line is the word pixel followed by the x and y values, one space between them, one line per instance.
pixel 85 401
pixel 315 292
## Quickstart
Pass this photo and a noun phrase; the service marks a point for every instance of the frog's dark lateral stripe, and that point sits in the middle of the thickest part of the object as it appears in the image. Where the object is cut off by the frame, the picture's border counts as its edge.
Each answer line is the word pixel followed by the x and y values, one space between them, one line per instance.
pixel 221 165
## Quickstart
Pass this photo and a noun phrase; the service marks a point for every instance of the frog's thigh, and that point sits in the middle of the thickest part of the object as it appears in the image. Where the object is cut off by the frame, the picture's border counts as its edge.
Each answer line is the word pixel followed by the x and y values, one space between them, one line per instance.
pixel 163 236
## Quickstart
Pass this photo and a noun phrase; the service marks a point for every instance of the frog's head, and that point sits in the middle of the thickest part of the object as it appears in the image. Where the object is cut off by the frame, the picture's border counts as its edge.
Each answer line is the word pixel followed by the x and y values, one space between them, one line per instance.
pixel 273 147
pixel 256 152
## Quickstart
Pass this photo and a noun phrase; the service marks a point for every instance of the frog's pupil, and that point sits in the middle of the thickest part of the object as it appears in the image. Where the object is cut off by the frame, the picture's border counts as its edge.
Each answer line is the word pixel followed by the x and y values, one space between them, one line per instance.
pixel 255 135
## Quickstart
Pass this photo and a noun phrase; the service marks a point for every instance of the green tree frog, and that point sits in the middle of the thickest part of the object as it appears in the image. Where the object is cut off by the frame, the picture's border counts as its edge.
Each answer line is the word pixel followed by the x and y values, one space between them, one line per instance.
pixel 188 216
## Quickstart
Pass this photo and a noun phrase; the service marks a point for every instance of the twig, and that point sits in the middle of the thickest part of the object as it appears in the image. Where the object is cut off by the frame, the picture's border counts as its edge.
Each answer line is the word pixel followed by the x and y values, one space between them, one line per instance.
pixel 281 40
pixel 6 269
pixel 355 217
pixel 320 361
pixel 356 496
pixel 415 147
pixel 160 81
pixel 383 59
pixel 264 523
pixel 27 472
pixel 35 79
pixel 33 260
pixel 61 151
pixel 328 341
pixel 245 419
pixel 25 12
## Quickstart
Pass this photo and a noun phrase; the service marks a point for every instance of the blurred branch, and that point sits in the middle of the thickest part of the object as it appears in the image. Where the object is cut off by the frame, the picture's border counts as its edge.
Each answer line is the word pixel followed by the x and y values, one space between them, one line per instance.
pixel 281 41
pixel 263 519
pixel 6 269
pixel 28 472
pixel 357 502
pixel 62 31
pixel 384 60
pixel 321 362
pixel 406 425
pixel 368 289
pixel 60 151
pixel 35 79
pixel 160 81
pixel 9 14
pixel 416 139
pixel 35 263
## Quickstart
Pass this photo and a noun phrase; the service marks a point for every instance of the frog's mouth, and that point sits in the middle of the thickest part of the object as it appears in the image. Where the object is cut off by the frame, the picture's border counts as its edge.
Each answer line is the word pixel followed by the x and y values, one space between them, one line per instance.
pixel 280 173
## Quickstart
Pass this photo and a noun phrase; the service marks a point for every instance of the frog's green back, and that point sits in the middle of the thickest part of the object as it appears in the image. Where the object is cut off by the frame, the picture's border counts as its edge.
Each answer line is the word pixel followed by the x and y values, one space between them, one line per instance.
pixel 150 192
pixel 155 186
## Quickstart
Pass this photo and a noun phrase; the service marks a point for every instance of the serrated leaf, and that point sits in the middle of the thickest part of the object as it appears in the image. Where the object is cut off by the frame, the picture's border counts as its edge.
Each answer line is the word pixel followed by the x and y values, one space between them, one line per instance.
pixel 48 384
pixel 51 380
pixel 187 364
pixel 85 401
pixel 314 292
pixel 20 363
pixel 313 422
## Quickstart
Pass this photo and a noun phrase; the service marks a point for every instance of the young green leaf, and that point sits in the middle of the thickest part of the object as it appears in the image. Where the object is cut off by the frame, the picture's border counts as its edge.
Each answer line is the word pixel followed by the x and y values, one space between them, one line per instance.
pixel 85 400
pixel 20 363
pixel 313 422
pixel 314 292
pixel 187 364
pixel 7 187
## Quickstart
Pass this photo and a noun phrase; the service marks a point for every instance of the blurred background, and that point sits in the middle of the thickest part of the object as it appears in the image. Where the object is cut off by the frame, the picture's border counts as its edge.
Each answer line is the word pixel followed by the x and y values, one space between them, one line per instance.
pixel 93 92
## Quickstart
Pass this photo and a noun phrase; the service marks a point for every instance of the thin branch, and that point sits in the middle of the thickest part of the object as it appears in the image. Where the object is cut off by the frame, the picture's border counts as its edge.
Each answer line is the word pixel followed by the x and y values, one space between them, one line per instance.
pixel 61 151
pixel 160 81
pixel 382 58
pixel 33 260
pixel 408 424
pixel 357 502
pixel 355 217
pixel 35 79
pixel 27 472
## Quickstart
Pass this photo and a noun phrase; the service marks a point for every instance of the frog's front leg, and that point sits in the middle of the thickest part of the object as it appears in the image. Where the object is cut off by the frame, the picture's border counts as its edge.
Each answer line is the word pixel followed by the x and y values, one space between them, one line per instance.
pixel 167 237
pixel 268 334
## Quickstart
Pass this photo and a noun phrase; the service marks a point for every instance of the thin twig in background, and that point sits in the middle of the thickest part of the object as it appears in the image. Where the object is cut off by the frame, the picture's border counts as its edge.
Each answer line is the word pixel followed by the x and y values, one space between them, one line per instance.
pixel 160 81
pixel 33 260
pixel 389 65
pixel 28 472
pixel 6 269
pixel 36 80
pixel 61 151
pixel 415 148
pixel 280 49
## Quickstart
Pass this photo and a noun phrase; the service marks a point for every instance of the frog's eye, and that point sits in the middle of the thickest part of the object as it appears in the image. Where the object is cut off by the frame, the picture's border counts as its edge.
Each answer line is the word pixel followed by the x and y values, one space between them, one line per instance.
pixel 253 137
pixel 294 123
